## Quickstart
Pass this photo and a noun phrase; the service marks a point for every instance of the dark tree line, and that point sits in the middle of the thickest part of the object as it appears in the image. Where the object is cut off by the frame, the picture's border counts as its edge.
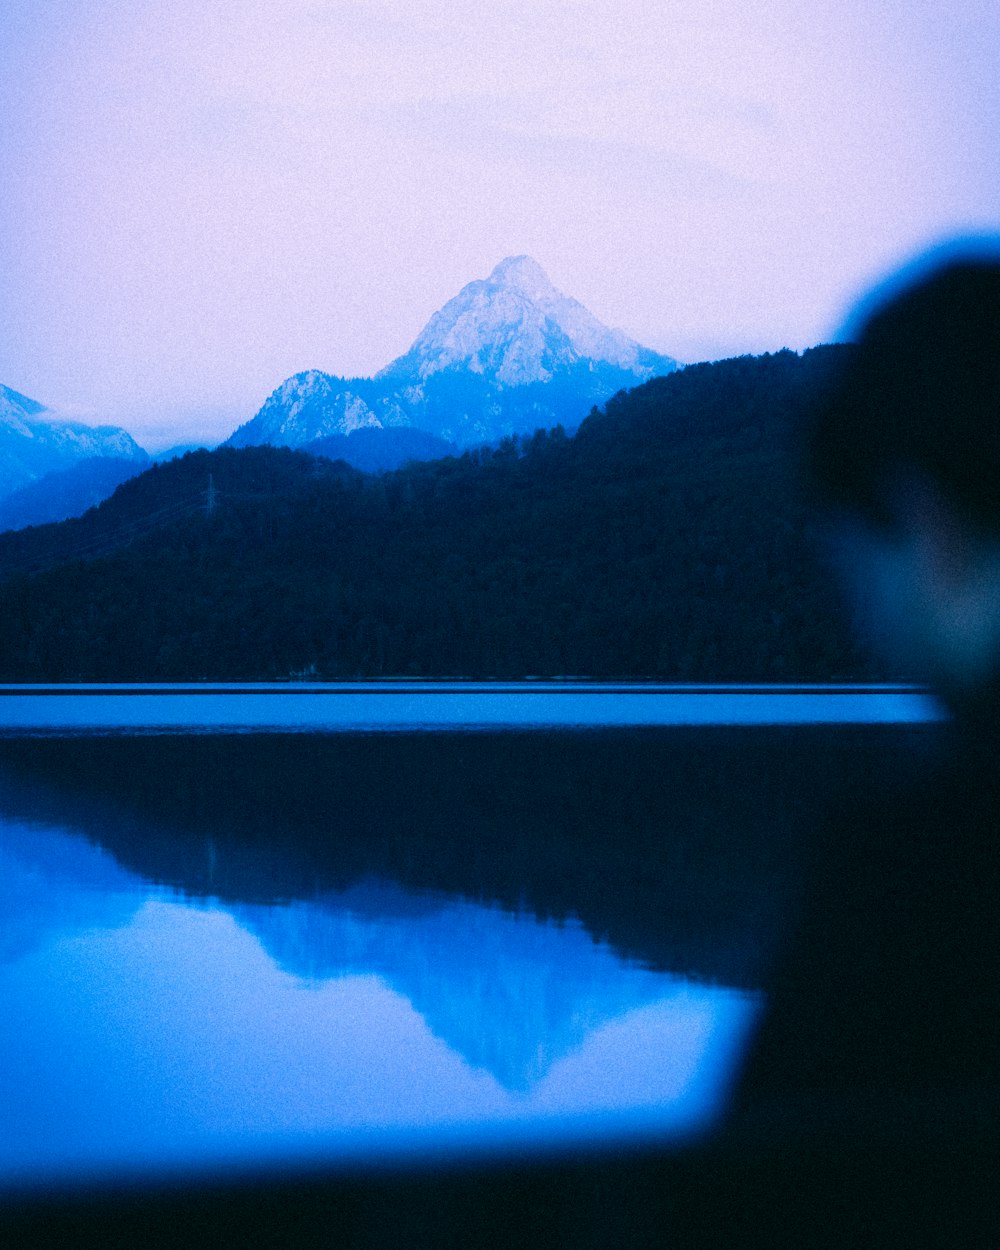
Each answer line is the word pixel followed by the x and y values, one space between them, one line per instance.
pixel 668 538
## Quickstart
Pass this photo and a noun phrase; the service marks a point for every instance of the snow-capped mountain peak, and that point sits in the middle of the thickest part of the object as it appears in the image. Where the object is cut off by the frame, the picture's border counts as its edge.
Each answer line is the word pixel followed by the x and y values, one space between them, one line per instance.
pixel 521 273
pixel 517 328
pixel 16 412
pixel 473 371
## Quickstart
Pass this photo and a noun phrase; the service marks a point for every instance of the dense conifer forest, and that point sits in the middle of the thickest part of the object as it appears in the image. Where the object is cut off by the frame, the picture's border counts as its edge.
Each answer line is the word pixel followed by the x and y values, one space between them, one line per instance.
pixel 668 538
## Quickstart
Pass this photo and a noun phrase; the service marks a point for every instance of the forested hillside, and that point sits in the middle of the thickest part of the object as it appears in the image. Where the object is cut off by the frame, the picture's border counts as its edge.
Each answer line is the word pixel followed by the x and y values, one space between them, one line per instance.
pixel 667 539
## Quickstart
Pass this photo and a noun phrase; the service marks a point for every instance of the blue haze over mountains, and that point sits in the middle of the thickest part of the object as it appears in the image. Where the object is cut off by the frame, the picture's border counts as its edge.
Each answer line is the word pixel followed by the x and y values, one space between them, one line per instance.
pixel 52 468
pixel 508 354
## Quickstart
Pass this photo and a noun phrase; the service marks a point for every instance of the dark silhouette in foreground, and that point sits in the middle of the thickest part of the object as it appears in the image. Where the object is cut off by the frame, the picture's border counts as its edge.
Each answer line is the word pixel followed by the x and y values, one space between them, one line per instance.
pixel 886 1013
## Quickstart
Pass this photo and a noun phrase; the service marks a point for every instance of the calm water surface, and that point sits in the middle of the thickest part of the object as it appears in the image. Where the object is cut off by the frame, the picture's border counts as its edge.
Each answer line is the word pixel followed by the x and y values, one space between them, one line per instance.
pixel 223 947
pixel 411 706
pixel 142 1028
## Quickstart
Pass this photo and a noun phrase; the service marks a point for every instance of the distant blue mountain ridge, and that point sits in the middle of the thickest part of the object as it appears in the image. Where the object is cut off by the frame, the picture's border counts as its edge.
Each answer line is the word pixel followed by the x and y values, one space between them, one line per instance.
pixel 65 493
pixel 37 446
pixel 379 451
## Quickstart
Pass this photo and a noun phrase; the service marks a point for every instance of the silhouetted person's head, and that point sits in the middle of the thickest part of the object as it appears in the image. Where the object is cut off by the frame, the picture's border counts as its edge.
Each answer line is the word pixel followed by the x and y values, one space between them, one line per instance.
pixel 905 458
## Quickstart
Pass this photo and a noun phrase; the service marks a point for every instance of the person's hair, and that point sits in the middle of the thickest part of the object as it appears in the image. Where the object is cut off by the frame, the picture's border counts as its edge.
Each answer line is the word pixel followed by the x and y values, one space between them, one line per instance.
pixel 919 392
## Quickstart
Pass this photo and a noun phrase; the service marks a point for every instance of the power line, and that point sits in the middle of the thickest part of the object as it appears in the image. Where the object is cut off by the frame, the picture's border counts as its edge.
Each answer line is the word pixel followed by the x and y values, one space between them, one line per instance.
pixel 95 546
pixel 126 531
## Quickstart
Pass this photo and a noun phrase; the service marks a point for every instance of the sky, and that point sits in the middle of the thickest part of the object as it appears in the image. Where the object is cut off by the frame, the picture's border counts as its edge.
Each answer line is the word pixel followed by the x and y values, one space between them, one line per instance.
pixel 199 198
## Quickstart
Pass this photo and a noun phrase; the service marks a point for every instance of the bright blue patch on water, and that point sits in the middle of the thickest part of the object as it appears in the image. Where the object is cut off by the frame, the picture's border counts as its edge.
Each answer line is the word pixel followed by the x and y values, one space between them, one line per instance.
pixel 412 706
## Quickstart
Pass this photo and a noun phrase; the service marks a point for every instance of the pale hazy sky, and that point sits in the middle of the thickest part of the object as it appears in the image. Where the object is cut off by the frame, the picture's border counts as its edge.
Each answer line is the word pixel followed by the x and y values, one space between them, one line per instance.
pixel 201 197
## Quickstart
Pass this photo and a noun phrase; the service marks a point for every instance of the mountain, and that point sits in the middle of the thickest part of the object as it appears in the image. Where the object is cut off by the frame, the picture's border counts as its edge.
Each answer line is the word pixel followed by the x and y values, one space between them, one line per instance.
pixel 375 450
pixel 177 451
pixel 34 440
pixel 508 354
pixel 68 492
pixel 516 328
pixel 667 538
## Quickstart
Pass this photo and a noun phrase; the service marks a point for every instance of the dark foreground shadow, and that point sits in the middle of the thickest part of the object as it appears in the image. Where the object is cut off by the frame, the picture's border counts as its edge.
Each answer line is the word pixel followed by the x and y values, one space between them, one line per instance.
pixel 859 1174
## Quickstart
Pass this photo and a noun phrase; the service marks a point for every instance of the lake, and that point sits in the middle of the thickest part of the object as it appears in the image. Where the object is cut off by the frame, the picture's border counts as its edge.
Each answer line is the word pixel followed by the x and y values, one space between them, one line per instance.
pixel 288 925
pixel 417 705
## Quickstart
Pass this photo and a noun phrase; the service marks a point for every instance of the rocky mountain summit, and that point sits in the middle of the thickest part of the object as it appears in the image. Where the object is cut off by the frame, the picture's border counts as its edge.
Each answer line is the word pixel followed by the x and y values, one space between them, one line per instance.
pixel 508 354
pixel 516 328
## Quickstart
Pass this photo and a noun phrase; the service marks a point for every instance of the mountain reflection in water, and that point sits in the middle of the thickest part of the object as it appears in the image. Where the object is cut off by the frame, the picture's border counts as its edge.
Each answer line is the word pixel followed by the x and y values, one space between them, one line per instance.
pixel 225 949
pixel 507 993
pixel 143 1028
